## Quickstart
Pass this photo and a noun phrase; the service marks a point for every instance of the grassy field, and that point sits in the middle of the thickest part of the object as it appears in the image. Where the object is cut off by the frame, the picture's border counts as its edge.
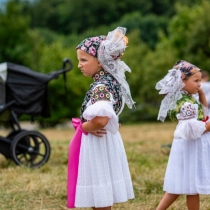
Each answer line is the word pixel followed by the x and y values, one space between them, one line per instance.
pixel 45 188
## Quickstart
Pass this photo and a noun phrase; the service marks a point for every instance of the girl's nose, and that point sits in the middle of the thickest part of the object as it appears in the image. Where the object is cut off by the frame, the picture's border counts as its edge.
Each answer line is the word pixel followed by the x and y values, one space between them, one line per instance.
pixel 79 65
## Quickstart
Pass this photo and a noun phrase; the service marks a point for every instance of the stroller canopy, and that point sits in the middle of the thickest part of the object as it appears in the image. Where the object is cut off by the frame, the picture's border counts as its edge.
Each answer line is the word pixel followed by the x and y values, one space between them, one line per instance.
pixel 25 89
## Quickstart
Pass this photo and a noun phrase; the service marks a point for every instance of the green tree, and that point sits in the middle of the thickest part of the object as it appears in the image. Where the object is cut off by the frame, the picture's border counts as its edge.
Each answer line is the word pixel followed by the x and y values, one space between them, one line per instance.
pixel 149 26
pixel 189 33
pixel 148 67
pixel 15 40
pixel 76 16
pixel 187 39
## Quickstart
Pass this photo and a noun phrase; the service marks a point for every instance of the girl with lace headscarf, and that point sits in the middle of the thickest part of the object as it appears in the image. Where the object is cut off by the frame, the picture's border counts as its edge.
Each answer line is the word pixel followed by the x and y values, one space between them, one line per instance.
pixel 188 170
pixel 98 172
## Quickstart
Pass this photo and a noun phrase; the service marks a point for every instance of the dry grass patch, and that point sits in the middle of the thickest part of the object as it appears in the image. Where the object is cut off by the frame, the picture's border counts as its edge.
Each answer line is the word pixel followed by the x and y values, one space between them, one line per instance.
pixel 45 188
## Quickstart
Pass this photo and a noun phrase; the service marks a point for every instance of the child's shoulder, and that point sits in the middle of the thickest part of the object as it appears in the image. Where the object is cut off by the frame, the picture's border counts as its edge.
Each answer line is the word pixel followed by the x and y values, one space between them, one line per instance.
pixel 185 100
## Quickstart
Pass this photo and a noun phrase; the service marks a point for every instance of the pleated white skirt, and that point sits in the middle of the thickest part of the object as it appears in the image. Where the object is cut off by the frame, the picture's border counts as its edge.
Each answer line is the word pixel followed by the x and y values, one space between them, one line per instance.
pixel 188 168
pixel 103 175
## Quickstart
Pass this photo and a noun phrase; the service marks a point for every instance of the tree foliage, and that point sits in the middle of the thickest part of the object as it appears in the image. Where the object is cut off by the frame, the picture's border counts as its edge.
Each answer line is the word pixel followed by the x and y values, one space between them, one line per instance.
pixel 39 34
pixel 15 40
pixel 189 32
pixel 73 16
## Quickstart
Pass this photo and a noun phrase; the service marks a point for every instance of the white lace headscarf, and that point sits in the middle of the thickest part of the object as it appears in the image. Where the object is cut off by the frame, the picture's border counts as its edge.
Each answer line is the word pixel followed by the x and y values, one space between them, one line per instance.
pixel 171 86
pixel 109 53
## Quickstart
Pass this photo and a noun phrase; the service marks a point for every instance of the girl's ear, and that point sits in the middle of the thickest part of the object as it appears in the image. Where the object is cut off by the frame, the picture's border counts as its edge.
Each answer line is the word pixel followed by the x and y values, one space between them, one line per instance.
pixel 99 64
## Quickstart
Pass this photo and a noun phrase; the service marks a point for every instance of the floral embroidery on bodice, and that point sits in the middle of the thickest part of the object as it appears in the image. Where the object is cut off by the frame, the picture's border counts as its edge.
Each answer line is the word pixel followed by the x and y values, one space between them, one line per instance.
pixel 186 108
pixel 102 88
pixel 187 111
pixel 100 93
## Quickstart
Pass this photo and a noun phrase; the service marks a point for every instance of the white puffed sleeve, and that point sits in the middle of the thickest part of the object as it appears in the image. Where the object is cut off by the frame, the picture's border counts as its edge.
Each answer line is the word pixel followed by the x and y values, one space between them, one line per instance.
pixel 102 109
pixel 101 104
pixel 189 128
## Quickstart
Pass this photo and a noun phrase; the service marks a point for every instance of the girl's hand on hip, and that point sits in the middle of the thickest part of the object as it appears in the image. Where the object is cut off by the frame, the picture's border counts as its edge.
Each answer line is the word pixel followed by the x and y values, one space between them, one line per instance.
pixel 98 133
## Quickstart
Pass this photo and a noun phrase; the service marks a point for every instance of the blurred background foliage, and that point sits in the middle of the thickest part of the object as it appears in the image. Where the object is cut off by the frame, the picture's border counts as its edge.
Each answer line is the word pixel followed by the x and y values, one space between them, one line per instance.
pixel 40 33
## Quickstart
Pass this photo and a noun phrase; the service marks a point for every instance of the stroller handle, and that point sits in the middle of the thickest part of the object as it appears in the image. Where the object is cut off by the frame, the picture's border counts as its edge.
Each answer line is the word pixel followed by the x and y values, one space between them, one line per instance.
pixel 67 61
pixel 67 66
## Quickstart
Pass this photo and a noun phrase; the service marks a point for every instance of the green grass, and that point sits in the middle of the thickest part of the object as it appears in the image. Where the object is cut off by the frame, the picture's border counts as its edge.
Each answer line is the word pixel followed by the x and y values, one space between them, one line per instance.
pixel 45 188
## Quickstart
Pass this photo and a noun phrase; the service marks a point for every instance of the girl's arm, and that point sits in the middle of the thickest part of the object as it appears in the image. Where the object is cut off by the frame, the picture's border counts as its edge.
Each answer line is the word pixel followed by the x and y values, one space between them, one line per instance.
pixel 202 97
pixel 207 127
pixel 95 125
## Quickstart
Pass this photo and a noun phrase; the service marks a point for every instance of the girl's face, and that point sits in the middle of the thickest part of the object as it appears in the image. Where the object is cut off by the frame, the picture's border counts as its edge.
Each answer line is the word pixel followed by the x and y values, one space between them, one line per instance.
pixel 88 64
pixel 192 84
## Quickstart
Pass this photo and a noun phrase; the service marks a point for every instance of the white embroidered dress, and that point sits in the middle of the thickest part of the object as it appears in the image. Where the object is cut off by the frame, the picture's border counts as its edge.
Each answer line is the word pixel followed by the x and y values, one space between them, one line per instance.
pixel 103 175
pixel 188 169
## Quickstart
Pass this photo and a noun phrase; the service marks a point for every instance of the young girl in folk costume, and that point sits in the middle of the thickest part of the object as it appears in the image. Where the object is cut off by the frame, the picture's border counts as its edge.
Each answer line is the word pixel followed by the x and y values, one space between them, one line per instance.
pixel 188 169
pixel 101 174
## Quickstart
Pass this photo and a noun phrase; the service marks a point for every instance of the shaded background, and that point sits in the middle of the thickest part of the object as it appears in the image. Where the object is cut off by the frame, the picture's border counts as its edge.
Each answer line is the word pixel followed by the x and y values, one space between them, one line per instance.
pixel 40 33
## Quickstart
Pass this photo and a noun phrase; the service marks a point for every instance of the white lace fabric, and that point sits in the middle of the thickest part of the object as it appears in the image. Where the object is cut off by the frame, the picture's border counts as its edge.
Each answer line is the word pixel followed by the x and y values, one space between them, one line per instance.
pixel 109 54
pixel 170 86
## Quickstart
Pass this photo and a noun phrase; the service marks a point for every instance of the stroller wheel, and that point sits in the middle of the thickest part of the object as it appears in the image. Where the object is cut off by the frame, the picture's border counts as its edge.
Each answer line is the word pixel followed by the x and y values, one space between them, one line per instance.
pixel 30 149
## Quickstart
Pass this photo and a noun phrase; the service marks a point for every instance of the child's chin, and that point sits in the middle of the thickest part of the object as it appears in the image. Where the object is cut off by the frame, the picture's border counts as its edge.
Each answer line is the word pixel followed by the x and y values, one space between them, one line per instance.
pixel 84 74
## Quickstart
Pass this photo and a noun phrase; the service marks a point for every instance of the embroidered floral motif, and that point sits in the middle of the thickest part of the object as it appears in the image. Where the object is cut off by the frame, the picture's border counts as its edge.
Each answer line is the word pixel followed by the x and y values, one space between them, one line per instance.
pixel 181 110
pixel 106 79
pixel 98 75
pixel 187 111
pixel 100 93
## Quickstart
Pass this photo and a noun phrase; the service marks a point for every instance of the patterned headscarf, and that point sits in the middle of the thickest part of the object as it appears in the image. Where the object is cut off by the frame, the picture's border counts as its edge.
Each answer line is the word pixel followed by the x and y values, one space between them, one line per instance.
pixel 187 69
pixel 91 45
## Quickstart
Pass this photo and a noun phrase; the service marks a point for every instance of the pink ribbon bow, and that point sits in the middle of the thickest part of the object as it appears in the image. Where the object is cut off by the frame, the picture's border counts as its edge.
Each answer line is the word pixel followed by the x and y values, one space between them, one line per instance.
pixel 73 162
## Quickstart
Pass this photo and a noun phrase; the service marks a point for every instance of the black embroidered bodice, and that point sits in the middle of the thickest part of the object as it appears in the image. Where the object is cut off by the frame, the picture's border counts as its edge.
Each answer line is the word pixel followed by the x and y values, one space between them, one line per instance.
pixel 106 79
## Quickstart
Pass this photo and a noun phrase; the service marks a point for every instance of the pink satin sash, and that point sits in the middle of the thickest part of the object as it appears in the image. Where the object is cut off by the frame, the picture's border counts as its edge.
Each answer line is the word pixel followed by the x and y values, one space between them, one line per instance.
pixel 73 162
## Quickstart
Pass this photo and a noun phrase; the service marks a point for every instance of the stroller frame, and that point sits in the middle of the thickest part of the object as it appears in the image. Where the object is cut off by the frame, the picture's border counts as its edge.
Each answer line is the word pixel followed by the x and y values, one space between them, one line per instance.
pixel 28 148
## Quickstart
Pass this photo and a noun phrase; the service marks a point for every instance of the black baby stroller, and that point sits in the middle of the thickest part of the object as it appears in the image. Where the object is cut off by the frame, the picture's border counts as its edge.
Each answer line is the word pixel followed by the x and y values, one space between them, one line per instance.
pixel 23 91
